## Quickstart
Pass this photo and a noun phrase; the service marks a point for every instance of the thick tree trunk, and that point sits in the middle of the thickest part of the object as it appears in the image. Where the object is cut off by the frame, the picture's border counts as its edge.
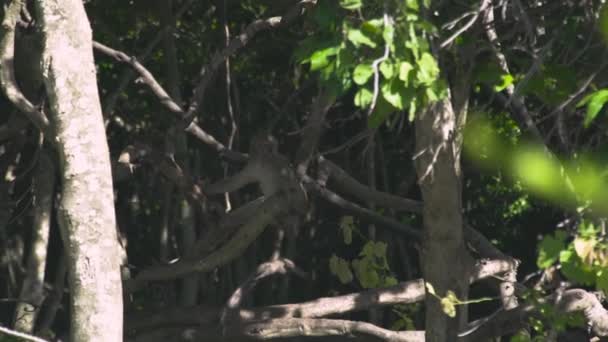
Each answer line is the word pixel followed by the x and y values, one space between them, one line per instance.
pixel 86 213
pixel 443 255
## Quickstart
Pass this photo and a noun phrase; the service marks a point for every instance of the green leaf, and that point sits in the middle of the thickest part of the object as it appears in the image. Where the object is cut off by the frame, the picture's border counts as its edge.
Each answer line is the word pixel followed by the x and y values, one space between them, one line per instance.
pixel 428 69
pixel 351 4
pixel 358 38
pixel 411 112
pixel 575 269
pixel 325 15
pixel 521 337
pixel 550 248
pixel 363 98
pixel 320 58
pixel 507 80
pixel 404 71
pixel 412 4
pixel 313 44
pixel 380 249
pixel 347 225
pixel 595 102
pixel 362 73
pixel 367 275
pixel 380 114
pixel 395 93
pixel 390 281
pixel 373 26
pixel 341 269
pixel 387 69
pixel 602 280
pixel 388 34
pixel 368 249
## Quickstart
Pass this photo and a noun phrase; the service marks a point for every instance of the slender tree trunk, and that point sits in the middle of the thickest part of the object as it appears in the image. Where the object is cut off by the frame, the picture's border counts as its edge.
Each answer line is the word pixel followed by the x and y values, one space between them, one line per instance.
pixel 443 255
pixel 86 211
pixel 32 289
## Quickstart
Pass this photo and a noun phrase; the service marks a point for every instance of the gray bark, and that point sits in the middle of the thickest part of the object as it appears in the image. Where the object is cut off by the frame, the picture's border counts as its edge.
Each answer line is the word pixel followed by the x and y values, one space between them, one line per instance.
pixel 86 210
pixel 32 296
pixel 444 259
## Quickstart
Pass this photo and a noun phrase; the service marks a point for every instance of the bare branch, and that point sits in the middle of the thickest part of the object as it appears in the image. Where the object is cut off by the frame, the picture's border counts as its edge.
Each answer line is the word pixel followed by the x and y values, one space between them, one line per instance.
pixel 208 71
pixel 270 209
pixel 7 70
pixel 294 327
pixel 26 337
pixel 483 6
pixel 509 321
pixel 278 266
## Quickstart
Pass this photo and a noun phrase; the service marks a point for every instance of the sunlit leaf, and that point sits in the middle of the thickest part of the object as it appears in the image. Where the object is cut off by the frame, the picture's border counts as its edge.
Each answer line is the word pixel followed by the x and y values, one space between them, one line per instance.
pixel 387 69
pixel 595 102
pixel 404 71
pixel 358 38
pixel 428 70
pixel 388 34
pixel 550 248
pixel 351 4
pixel 448 307
pixel 362 73
pixel 584 248
pixel 320 58
pixel 394 93
pixel 363 98
pixel 430 289
pixel 575 269
pixel 507 80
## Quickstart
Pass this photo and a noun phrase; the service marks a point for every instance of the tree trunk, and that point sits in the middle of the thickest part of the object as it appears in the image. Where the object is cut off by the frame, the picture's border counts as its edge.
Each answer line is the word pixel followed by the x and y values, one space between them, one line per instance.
pixel 443 257
pixel 86 211
pixel 32 290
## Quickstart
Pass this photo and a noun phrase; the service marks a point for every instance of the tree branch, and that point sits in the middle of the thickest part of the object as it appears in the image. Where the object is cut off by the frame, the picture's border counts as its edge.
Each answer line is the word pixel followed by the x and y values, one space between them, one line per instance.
pixel 7 69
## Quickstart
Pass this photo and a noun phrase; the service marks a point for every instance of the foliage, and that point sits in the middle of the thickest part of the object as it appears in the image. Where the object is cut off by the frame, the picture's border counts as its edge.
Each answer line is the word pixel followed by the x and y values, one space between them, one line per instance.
pixel 386 59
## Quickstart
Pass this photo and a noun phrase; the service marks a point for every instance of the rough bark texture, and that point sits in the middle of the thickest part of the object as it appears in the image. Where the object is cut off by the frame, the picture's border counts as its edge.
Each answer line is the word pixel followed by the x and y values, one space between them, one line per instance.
pixel 32 296
pixel 86 212
pixel 443 254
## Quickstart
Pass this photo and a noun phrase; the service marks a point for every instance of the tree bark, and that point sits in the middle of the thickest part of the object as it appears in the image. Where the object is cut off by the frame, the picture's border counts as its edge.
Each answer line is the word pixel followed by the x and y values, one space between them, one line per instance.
pixel 443 257
pixel 32 295
pixel 86 210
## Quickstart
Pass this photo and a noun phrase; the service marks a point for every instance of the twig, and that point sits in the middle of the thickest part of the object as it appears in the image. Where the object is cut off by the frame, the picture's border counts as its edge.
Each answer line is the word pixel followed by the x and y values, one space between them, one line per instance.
pixel 375 65
pixel 449 40
pixel 21 335
pixel 7 69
